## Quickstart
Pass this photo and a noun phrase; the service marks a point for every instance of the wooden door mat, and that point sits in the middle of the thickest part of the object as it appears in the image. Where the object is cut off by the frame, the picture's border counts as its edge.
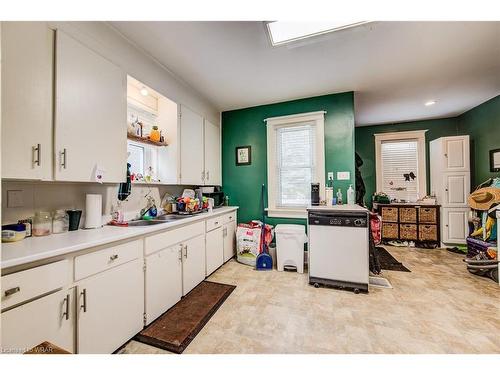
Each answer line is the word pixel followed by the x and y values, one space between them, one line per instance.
pixel 176 328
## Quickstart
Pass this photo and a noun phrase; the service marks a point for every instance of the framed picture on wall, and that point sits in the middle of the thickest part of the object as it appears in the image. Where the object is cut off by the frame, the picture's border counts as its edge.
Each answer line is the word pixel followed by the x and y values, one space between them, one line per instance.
pixel 495 160
pixel 244 155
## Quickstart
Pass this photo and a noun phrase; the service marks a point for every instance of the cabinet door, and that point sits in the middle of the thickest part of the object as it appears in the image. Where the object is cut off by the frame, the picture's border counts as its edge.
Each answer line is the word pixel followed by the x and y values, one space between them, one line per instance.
pixel 229 240
pixel 456 189
pixel 214 250
pixel 27 78
pixel 191 147
pixel 91 115
pixel 212 154
pixel 110 308
pixel 163 281
pixel 193 263
pixel 454 224
pixel 456 152
pixel 50 318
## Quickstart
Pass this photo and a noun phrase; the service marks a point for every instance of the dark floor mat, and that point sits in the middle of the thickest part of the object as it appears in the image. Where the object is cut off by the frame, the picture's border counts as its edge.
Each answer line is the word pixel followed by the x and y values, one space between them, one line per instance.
pixel 388 262
pixel 175 329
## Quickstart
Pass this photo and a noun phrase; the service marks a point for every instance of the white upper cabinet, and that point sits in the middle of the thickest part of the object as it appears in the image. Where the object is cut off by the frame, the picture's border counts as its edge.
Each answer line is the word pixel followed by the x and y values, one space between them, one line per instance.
pixel 191 130
pixel 27 78
pixel 91 114
pixel 212 154
pixel 456 153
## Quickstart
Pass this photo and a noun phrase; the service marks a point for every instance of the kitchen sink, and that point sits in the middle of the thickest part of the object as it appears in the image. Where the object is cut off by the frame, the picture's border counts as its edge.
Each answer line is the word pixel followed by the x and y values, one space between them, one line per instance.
pixel 142 223
pixel 169 217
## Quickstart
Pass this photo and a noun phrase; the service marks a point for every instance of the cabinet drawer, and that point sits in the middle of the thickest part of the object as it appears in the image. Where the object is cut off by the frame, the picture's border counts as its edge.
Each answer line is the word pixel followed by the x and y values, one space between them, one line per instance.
pixel 390 214
pixel 408 232
pixel 408 214
pixel 427 233
pixel 427 215
pixel 171 237
pixel 215 222
pixel 227 218
pixel 22 286
pixel 389 230
pixel 101 260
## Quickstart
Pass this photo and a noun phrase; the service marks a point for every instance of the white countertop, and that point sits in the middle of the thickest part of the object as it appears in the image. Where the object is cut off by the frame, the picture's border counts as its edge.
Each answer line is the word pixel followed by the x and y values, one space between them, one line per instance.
pixel 34 249
pixel 343 207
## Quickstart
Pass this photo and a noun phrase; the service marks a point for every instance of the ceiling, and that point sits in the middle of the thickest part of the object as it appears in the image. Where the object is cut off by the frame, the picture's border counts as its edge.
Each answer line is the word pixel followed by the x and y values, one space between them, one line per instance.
pixel 393 67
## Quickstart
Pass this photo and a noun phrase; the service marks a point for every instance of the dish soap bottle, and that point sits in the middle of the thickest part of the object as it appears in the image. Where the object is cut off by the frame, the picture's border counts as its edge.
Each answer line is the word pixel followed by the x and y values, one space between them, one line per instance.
pixel 350 195
pixel 339 197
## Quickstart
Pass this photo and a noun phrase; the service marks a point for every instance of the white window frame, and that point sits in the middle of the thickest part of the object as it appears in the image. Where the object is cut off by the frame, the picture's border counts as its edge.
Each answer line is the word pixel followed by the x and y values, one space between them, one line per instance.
pixel 416 135
pixel 272 179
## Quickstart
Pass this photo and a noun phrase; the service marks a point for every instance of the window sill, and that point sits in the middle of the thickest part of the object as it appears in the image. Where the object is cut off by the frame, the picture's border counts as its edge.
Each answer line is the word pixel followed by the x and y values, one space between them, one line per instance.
pixel 299 213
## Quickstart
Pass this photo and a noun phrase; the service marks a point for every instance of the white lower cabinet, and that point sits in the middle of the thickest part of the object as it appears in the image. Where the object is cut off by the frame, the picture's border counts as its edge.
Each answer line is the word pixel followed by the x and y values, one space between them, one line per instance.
pixel 214 250
pixel 50 318
pixel 110 308
pixel 193 263
pixel 229 233
pixel 163 281
pixel 455 228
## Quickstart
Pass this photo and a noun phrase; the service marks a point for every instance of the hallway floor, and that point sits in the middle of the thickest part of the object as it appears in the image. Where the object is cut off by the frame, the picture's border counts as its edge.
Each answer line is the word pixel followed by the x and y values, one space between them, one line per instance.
pixel 437 308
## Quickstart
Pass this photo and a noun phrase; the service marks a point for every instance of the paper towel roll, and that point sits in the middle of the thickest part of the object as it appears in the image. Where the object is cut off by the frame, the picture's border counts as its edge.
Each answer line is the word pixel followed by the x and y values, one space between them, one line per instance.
pixel 93 211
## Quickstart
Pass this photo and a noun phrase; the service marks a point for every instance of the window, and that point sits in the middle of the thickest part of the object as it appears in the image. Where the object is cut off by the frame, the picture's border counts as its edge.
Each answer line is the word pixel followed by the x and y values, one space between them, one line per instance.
pixel 401 171
pixel 295 154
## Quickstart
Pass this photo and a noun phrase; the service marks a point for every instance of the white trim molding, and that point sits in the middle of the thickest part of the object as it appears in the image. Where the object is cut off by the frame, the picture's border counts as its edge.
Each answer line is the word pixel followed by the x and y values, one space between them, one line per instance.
pixel 274 123
pixel 416 135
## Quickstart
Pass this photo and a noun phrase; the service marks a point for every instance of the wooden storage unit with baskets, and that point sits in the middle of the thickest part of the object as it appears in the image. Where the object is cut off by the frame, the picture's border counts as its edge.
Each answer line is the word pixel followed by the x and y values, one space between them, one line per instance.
pixel 411 222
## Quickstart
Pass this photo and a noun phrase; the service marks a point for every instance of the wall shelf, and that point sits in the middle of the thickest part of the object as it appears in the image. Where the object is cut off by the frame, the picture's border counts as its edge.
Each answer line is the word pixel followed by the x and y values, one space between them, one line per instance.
pixel 146 140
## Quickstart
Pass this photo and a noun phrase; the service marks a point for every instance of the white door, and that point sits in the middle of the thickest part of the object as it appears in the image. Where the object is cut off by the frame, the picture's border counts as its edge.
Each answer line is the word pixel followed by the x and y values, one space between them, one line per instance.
pixel 191 147
pixel 50 318
pixel 456 151
pixel 91 115
pixel 27 79
pixel 214 250
pixel 110 308
pixel 456 189
pixel 212 154
pixel 229 240
pixel 455 225
pixel 193 263
pixel 163 281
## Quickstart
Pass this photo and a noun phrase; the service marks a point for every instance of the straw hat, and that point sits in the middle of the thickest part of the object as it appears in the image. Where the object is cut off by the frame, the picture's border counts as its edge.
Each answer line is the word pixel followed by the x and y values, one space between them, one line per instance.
pixel 482 199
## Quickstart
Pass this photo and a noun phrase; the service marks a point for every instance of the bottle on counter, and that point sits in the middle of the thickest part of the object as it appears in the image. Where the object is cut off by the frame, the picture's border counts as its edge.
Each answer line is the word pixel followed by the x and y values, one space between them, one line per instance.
pixel 60 222
pixel 339 196
pixel 350 195
pixel 42 224
pixel 329 195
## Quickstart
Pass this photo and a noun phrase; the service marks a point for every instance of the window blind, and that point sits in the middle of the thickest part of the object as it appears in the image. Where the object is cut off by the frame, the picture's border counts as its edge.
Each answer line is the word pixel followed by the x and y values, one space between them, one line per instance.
pixel 295 164
pixel 399 158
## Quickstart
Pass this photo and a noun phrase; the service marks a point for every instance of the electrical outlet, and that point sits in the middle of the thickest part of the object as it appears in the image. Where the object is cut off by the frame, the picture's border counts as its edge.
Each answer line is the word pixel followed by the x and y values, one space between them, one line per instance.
pixel 343 176
pixel 330 176
pixel 15 198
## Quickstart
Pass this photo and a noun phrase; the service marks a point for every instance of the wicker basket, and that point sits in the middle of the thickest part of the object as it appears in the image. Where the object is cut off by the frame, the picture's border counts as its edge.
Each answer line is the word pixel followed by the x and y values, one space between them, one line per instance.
pixel 427 215
pixel 390 214
pixel 389 231
pixel 408 215
pixel 408 232
pixel 427 232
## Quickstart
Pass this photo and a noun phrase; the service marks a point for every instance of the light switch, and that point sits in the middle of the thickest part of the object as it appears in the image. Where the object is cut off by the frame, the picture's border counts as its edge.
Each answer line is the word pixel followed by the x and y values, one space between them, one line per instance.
pixel 15 198
pixel 343 175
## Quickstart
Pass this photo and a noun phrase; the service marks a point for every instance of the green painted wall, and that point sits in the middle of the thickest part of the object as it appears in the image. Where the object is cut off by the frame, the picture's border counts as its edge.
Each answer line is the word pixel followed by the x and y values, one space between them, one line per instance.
pixel 482 123
pixel 247 127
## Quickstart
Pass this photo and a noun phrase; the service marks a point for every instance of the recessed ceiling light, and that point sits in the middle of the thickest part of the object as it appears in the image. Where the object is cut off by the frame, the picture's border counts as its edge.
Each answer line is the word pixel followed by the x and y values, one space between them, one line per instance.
pixel 144 91
pixel 282 32
pixel 429 103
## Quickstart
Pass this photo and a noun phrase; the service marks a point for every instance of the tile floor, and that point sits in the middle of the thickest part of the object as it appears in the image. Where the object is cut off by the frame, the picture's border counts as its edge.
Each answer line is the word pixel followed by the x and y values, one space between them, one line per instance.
pixel 437 308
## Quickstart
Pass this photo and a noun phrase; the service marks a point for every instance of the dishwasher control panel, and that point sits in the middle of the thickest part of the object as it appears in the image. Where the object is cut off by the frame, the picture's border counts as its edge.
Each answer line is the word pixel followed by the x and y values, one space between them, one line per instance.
pixel 344 219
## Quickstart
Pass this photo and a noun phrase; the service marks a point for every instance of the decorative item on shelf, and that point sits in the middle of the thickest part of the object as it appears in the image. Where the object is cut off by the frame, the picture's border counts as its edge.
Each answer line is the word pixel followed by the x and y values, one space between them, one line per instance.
pixel 155 135
pixel 243 155
pixel 162 138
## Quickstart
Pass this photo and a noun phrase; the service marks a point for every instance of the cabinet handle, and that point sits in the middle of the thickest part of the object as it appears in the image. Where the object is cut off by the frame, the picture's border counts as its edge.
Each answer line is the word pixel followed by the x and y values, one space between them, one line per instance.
pixel 203 176
pixel 186 253
pixel 84 294
pixel 36 151
pixel 113 257
pixel 208 175
pixel 224 232
pixel 12 291
pixel 63 156
pixel 180 252
pixel 66 312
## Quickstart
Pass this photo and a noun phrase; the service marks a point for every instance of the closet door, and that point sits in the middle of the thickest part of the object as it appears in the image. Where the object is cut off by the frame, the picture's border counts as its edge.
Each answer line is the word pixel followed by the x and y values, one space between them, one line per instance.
pixel 91 115
pixel 212 154
pixel 27 92
pixel 191 147
pixel 456 189
pixel 456 152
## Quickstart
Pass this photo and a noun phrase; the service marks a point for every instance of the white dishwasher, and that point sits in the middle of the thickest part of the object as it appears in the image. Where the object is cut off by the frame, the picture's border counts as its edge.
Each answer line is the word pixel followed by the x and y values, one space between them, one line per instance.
pixel 339 247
